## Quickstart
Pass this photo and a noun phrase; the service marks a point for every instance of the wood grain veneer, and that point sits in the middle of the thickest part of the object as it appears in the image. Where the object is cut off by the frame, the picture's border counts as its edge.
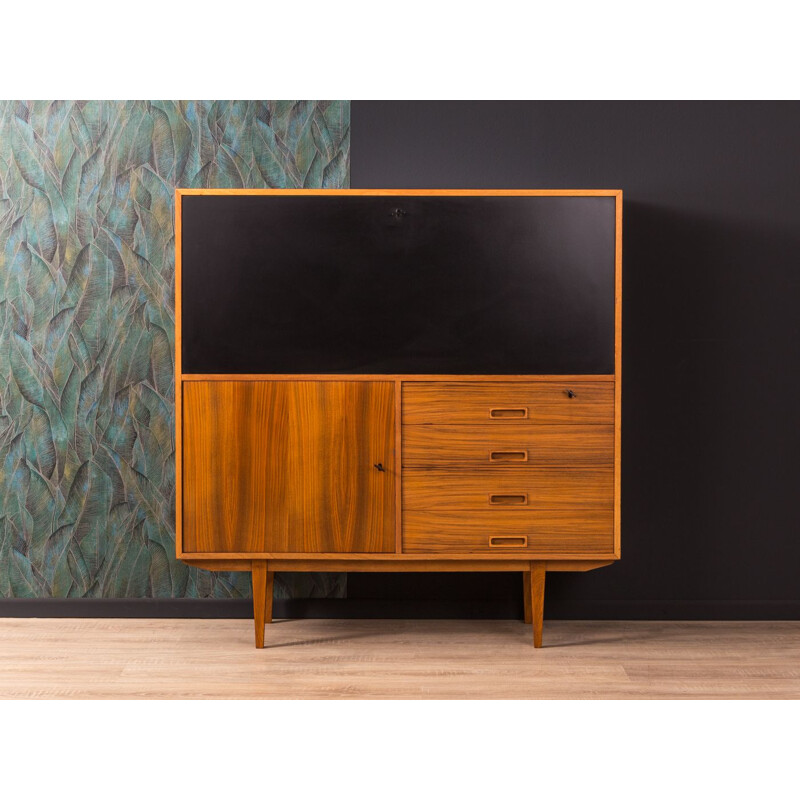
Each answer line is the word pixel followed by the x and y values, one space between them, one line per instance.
pixel 289 466
pixel 414 192
pixel 398 483
pixel 409 562
pixel 178 356
pixel 618 377
pixel 548 532
pixel 532 489
pixel 382 376
pixel 385 562
pixel 470 446
pixel 502 403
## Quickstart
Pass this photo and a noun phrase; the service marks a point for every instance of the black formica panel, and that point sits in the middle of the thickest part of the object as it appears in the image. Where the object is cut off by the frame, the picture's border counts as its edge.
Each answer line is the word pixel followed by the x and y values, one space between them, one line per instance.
pixel 413 284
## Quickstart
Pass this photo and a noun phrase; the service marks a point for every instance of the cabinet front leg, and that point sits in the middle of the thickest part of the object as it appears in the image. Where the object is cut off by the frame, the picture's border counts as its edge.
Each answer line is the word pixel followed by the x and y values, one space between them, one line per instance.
pixel 538 571
pixel 262 598
pixel 526 595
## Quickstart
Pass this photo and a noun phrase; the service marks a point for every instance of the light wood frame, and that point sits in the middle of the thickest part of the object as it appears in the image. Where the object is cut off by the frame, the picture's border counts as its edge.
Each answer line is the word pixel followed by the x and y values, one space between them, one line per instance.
pixel 264 565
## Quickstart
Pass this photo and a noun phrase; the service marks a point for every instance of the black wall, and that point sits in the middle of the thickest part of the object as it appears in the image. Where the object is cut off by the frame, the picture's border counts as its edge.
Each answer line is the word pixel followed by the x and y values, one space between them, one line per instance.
pixel 711 335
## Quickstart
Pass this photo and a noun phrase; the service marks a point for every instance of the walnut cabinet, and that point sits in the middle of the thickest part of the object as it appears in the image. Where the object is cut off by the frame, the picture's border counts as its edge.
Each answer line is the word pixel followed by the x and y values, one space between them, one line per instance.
pixel 344 470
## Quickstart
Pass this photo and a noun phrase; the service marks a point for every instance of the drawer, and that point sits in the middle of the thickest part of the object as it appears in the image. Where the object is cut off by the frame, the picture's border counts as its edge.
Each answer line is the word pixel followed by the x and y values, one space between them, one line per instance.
pixel 503 403
pixel 509 446
pixel 510 531
pixel 529 490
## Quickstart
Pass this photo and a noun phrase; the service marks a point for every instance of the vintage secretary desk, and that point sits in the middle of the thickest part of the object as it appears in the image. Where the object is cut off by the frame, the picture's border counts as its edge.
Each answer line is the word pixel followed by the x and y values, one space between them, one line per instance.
pixel 381 380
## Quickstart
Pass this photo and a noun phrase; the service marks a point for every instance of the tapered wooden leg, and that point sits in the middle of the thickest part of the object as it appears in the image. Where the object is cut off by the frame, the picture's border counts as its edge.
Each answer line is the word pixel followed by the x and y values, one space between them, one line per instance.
pixel 262 598
pixel 538 571
pixel 526 595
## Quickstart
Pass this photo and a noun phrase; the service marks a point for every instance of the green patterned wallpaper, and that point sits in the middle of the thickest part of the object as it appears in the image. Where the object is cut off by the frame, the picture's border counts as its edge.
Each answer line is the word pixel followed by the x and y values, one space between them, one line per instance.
pixel 87 479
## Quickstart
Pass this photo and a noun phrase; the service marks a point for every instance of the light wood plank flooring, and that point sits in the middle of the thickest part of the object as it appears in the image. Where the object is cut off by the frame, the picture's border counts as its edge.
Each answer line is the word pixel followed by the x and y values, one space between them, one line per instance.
pixel 135 658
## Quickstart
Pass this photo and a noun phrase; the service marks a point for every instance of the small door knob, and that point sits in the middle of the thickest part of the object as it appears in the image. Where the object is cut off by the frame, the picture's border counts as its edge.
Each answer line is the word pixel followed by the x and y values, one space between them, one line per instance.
pixel 570 393
pixel 379 467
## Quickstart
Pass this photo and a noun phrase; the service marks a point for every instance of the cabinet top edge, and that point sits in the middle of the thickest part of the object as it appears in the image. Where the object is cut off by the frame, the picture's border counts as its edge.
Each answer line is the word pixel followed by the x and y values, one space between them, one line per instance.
pixel 605 378
pixel 410 192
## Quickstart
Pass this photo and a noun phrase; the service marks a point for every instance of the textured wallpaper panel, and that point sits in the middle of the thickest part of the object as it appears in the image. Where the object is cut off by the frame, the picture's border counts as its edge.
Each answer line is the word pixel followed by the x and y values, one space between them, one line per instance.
pixel 87 478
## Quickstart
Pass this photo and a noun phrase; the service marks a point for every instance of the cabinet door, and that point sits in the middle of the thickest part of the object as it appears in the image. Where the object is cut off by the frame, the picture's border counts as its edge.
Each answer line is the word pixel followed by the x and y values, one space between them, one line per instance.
pixel 288 466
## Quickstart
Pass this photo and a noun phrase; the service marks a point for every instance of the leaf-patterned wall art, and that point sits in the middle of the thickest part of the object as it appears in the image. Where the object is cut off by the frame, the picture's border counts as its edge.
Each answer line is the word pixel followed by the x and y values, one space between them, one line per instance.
pixel 87 477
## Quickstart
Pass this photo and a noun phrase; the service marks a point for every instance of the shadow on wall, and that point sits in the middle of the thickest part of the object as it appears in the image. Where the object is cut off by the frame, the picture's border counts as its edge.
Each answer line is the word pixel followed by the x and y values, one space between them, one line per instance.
pixel 711 444
pixel 86 326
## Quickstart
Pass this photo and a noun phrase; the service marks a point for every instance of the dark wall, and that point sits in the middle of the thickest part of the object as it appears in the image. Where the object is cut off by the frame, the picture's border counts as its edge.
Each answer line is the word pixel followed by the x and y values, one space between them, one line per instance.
pixel 711 334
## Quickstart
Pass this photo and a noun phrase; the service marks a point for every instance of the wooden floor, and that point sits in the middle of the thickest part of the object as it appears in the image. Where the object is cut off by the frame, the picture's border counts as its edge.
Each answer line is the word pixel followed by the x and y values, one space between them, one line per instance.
pixel 134 658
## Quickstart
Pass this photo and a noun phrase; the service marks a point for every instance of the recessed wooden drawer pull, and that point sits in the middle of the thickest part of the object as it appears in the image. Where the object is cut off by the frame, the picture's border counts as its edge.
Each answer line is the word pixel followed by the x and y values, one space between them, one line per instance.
pixel 508 499
pixel 508 541
pixel 508 413
pixel 508 455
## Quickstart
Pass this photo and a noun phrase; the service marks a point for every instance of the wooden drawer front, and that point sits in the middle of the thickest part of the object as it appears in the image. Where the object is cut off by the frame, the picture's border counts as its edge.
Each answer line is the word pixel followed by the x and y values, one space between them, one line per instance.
pixel 530 490
pixel 509 446
pixel 504 403
pixel 509 532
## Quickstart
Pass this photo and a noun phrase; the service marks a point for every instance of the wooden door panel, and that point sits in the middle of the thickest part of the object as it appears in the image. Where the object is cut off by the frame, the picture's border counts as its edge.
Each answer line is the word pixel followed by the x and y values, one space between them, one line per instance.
pixel 327 496
pixel 225 450
pixel 288 466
